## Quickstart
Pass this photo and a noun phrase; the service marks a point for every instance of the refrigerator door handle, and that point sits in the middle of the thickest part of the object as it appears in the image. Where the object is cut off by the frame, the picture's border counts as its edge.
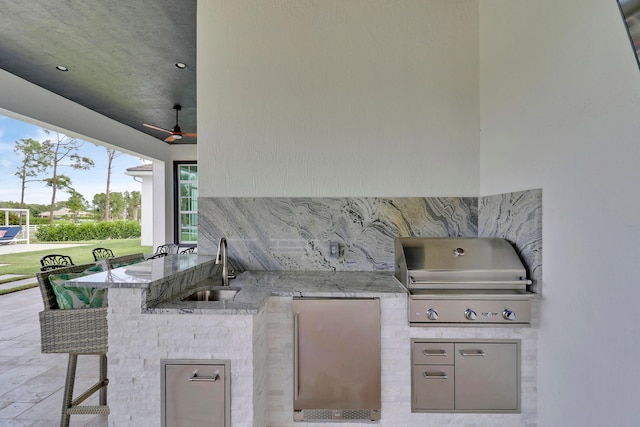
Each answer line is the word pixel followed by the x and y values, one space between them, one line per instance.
pixel 296 356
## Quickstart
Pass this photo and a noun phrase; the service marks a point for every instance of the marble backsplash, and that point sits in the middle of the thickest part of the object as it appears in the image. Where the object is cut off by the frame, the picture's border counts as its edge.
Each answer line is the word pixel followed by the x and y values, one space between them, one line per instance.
pixel 277 233
pixel 294 233
pixel 516 217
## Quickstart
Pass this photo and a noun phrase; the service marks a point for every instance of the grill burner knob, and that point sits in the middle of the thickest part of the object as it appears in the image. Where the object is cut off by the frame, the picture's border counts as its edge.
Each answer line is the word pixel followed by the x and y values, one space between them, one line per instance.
pixel 469 314
pixel 432 314
pixel 509 314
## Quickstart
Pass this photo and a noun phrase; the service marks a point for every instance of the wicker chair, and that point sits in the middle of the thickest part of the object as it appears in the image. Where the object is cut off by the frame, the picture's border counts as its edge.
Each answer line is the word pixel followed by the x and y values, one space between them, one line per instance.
pixel 53 261
pixel 189 250
pixel 124 260
pixel 77 332
pixel 101 253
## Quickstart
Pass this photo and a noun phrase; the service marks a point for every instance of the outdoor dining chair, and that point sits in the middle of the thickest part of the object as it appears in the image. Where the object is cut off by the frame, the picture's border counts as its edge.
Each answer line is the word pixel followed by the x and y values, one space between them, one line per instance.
pixel 76 331
pixel 169 248
pixel 102 253
pixel 53 261
pixel 158 255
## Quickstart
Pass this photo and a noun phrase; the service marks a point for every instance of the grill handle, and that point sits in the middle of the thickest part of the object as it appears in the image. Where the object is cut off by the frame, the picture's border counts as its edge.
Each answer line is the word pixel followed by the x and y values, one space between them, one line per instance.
pixel 414 281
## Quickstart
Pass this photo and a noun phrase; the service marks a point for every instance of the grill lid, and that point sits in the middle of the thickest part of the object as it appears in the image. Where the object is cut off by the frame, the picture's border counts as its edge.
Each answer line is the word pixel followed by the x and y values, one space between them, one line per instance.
pixel 458 263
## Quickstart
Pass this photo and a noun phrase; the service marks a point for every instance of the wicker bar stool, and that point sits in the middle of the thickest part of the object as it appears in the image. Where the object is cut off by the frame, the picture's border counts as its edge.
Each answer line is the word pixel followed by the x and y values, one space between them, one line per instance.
pixel 76 332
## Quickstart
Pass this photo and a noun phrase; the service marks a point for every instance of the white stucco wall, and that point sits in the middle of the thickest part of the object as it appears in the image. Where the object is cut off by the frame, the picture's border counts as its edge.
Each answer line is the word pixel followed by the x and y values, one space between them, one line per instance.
pixel 560 95
pixel 338 98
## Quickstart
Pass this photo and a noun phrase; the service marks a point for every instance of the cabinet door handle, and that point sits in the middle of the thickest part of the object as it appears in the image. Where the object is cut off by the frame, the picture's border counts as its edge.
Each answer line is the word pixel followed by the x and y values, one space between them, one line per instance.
pixel 472 352
pixel 439 352
pixel 434 376
pixel 296 356
pixel 194 377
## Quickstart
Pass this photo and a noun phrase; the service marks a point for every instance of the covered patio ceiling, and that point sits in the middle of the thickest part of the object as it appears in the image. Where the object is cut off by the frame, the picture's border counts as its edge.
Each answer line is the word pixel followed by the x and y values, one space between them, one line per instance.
pixel 121 56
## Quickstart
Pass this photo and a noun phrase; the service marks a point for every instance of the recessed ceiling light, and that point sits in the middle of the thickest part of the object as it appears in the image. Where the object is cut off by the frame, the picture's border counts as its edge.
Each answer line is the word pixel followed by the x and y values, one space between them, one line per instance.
pixel 181 65
pixel 61 68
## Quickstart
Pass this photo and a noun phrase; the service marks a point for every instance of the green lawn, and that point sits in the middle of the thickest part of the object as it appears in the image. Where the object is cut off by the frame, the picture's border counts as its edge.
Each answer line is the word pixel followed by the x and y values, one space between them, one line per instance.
pixel 28 263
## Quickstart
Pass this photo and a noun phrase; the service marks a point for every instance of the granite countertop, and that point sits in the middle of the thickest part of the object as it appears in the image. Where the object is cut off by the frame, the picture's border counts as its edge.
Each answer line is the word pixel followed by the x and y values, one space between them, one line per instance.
pixel 144 274
pixel 255 287
pixel 167 281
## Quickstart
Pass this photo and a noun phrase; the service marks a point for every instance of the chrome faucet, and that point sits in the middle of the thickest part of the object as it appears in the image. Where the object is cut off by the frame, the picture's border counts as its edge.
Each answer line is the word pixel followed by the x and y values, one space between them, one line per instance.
pixel 221 258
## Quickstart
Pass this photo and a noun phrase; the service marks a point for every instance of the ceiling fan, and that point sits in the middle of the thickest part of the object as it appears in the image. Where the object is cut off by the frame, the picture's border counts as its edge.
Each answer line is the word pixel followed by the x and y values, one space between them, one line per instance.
pixel 176 133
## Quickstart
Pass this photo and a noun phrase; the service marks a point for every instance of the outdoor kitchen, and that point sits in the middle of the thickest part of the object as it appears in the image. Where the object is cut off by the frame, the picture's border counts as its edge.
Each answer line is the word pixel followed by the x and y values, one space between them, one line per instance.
pixel 152 321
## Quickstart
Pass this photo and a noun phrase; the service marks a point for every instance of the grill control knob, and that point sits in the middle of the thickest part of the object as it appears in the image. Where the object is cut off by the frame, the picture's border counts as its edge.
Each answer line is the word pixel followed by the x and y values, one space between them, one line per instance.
pixel 470 314
pixel 432 314
pixel 509 314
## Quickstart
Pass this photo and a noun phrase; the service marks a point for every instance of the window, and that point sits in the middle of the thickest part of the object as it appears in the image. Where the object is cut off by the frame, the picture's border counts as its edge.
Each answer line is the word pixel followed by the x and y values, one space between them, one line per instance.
pixel 186 193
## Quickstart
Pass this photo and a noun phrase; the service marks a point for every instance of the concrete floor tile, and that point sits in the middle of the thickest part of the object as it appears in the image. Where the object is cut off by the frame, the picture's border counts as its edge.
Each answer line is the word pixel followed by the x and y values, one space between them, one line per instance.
pixel 32 383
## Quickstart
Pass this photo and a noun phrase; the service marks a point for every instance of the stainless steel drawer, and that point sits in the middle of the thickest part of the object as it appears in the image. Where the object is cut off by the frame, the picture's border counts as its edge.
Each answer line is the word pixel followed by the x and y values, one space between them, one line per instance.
pixel 433 387
pixel 432 353
pixel 195 393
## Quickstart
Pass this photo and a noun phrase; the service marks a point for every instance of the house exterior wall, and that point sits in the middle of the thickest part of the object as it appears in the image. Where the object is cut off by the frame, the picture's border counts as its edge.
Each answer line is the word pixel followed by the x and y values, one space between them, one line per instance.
pixel 338 98
pixel 560 94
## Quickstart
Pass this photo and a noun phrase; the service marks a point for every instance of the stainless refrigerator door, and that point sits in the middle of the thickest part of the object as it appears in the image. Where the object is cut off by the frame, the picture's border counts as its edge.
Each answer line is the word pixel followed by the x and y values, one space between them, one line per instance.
pixel 194 395
pixel 337 354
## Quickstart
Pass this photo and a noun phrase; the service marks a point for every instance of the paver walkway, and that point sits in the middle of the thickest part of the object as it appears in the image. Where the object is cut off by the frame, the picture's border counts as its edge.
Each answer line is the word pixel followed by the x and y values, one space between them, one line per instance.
pixel 32 383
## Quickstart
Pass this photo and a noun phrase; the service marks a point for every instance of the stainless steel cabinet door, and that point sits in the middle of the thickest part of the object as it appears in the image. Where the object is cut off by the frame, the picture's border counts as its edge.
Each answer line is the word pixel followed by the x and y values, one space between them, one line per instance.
pixel 486 376
pixel 337 354
pixel 433 387
pixel 194 395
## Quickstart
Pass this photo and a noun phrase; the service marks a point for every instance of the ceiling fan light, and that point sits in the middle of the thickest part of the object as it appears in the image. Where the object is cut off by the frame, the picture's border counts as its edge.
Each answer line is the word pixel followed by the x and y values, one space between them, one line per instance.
pixel 177 136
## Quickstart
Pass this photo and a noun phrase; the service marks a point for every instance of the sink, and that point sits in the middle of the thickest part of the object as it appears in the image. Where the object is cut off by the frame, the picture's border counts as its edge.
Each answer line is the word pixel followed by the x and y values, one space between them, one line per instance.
pixel 218 293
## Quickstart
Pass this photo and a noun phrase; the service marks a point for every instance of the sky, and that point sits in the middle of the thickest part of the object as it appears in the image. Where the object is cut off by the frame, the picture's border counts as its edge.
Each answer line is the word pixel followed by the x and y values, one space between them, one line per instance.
pixel 86 182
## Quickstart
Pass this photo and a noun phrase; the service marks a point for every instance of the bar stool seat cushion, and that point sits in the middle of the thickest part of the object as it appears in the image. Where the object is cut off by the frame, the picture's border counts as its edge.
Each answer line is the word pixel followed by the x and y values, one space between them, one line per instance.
pixel 72 297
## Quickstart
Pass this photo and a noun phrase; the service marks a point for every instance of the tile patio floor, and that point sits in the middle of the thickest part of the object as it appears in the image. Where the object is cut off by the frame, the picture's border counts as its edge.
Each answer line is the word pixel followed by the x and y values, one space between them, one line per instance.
pixel 32 383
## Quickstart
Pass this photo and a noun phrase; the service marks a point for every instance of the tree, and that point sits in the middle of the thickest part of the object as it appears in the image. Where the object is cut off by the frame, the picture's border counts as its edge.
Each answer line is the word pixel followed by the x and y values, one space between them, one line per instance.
pixel 98 203
pixel 116 205
pixel 132 200
pixel 34 162
pixel 63 150
pixel 111 155
pixel 75 204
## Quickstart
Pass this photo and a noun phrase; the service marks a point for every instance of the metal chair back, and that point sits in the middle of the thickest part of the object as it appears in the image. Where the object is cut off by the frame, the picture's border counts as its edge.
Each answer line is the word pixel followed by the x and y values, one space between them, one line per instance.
pixel 102 253
pixel 169 248
pixel 53 261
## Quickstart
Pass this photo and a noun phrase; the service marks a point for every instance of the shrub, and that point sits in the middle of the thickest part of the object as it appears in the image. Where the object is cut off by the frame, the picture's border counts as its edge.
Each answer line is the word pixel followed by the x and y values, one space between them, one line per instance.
pixel 89 231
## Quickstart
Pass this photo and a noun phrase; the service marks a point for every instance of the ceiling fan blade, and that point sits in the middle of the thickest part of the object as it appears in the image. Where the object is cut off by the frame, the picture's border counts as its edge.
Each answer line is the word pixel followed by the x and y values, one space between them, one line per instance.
pixel 188 134
pixel 157 128
pixel 170 138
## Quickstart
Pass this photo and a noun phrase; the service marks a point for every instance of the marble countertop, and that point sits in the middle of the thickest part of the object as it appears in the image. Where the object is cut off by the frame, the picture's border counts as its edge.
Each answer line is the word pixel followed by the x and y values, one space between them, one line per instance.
pixel 255 287
pixel 144 274
pixel 167 281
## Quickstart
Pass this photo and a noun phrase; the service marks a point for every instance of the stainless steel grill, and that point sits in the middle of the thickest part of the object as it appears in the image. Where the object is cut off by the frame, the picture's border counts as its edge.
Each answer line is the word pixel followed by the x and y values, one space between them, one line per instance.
pixel 463 281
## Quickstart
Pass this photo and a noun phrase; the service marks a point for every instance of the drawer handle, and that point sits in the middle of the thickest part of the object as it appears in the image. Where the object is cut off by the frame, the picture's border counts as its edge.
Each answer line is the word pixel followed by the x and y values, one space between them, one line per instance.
pixel 434 376
pixel 440 352
pixel 472 352
pixel 194 377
